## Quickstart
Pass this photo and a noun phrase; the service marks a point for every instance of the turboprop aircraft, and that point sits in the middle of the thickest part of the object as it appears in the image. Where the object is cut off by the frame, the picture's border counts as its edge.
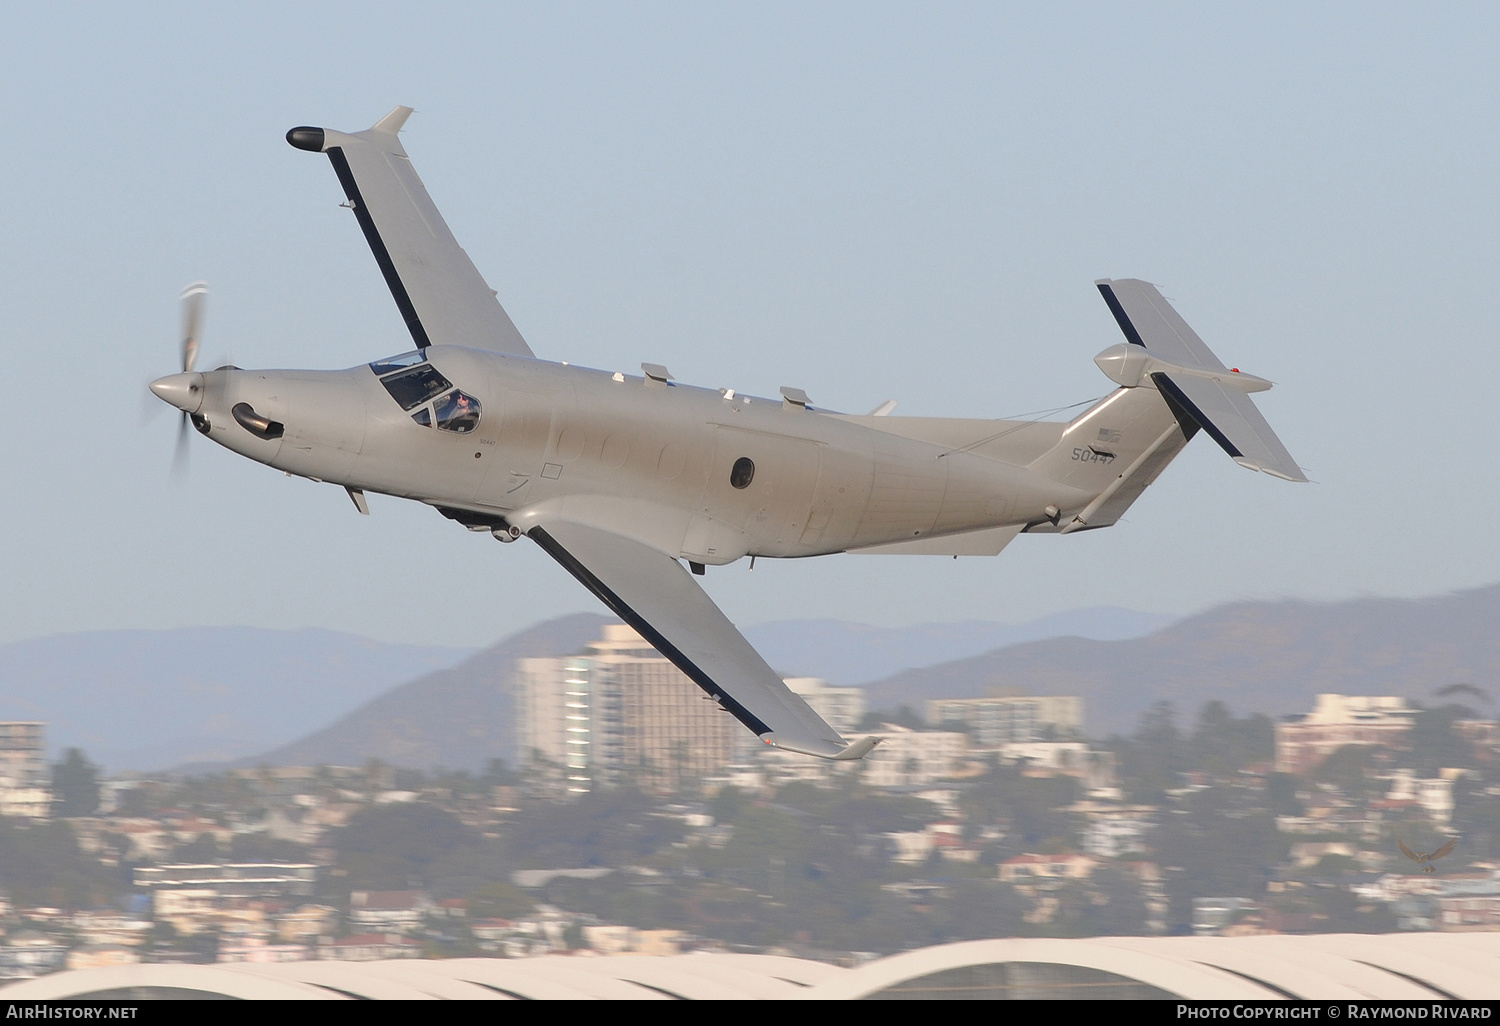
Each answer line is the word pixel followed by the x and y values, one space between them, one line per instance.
pixel 623 478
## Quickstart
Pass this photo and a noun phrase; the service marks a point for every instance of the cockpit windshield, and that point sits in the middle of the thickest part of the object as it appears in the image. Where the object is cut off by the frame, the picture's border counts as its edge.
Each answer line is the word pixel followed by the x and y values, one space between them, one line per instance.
pixel 416 385
pixel 395 363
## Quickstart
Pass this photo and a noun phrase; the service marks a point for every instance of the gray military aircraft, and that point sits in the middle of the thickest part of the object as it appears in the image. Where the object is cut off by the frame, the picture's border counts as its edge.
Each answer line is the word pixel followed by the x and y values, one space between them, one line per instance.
pixel 623 478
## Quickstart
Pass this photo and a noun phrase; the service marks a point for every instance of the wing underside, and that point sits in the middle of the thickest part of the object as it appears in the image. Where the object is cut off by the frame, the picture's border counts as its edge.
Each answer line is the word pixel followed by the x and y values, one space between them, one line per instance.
pixel 652 593
pixel 440 293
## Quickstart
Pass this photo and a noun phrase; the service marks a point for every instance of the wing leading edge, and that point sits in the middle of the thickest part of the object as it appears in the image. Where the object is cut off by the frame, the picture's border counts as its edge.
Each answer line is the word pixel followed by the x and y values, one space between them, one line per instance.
pixel 652 593
pixel 441 295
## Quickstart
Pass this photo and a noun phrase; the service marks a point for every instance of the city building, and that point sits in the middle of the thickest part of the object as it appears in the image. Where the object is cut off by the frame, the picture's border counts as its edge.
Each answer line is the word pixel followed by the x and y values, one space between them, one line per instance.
pixel 1062 759
pixel 993 722
pixel 913 758
pixel 389 911
pixel 1025 869
pixel 1469 912
pixel 1214 915
pixel 24 775
pixel 620 710
pixel 1114 829
pixel 1433 794
pixel 195 897
pixel 232 879
pixel 257 950
pixel 23 754
pixel 841 708
pixel 369 947
pixel 1304 741
pixel 29 953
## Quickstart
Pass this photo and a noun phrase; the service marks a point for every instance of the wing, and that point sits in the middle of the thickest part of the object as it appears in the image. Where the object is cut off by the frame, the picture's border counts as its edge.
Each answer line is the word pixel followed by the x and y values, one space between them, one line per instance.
pixel 440 293
pixel 652 593
pixel 1444 850
pixel 1406 851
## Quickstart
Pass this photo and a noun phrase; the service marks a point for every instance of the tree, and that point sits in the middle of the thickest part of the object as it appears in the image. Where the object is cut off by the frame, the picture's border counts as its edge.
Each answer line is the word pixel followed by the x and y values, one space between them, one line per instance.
pixel 499 901
pixel 1222 744
pixel 1433 742
pixel 395 847
pixel 1150 761
pixel 75 783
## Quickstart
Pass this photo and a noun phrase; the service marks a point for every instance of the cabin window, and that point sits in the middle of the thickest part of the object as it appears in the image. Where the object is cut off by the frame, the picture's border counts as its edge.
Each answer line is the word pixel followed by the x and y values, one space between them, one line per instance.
pixel 743 472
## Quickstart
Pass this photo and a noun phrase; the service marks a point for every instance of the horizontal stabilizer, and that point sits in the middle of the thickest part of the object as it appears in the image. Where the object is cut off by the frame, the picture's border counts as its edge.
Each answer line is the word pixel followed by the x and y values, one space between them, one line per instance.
pixel 1232 420
pixel 1194 381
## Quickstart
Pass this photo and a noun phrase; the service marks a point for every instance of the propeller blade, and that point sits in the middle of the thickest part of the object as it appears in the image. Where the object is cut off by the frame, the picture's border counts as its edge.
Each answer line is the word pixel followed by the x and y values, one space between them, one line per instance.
pixel 192 322
pixel 180 457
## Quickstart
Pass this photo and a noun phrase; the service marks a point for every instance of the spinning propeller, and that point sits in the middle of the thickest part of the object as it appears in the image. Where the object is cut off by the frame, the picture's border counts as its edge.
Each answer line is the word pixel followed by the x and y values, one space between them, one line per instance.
pixel 185 390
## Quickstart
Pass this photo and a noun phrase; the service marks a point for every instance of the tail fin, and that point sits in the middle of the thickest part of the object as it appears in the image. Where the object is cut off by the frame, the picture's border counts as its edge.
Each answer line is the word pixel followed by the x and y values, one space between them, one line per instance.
pixel 1112 451
pixel 1174 385
pixel 1191 377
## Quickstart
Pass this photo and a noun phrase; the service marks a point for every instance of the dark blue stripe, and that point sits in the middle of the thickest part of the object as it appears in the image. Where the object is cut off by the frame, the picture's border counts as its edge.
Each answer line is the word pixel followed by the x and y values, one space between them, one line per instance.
pixel 622 609
pixel 377 246
pixel 1131 335
pixel 1169 388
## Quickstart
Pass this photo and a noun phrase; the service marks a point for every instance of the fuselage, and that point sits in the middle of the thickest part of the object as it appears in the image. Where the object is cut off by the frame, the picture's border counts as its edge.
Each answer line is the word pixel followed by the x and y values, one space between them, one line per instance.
pixel 709 475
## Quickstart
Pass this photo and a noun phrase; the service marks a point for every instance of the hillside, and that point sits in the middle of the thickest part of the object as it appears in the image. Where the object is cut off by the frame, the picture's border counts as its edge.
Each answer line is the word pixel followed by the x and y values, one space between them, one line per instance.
pixel 1269 657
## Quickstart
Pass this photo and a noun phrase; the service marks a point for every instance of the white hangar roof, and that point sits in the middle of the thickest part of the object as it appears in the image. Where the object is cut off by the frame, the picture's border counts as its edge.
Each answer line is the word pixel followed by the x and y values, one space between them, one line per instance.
pixel 1412 966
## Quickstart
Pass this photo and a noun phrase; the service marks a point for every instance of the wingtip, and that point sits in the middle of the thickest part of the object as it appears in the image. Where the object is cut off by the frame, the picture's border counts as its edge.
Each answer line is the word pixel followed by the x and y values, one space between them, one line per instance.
pixel 824 749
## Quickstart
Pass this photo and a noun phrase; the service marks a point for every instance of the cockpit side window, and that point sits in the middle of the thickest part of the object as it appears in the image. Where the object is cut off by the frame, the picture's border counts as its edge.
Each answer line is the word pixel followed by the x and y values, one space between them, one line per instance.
pixel 457 412
pixel 396 363
pixel 415 386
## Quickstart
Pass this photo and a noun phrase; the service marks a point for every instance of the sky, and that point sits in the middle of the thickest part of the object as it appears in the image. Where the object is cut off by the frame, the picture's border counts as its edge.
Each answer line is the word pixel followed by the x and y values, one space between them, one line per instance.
pixel 869 201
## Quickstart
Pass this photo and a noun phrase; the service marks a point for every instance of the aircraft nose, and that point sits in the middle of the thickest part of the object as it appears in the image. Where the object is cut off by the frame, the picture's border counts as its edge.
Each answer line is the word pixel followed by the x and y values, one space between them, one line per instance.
pixel 184 391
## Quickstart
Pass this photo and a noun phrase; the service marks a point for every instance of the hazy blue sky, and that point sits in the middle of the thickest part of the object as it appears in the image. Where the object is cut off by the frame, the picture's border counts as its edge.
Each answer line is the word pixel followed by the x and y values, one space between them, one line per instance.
pixel 866 200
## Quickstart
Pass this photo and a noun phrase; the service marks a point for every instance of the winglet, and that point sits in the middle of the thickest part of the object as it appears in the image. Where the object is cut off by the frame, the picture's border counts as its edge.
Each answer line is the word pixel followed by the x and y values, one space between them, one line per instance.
pixel 393 121
pixel 861 748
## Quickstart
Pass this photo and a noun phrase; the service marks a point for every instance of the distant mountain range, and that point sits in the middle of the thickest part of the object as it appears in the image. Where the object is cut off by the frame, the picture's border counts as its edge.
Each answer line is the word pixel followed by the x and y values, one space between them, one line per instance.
pixel 213 697
pixel 462 716
pixel 856 653
pixel 202 697
pixel 1268 657
pixel 150 699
